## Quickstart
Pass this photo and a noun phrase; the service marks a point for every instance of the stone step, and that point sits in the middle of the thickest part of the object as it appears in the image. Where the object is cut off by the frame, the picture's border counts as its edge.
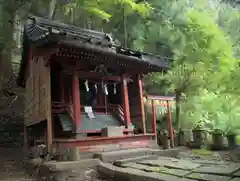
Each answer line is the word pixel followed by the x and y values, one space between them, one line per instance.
pixel 171 163
pixel 122 154
pixel 208 177
pixel 136 159
pixel 160 170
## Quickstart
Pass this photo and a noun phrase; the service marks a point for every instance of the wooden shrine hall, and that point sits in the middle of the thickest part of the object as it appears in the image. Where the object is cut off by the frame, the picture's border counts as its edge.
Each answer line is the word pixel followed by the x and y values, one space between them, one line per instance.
pixel 82 90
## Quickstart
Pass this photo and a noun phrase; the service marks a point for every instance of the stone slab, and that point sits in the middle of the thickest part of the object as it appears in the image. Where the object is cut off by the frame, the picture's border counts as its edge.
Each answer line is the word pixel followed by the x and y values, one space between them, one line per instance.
pixel 160 170
pixel 159 162
pixel 122 154
pixel 237 174
pixel 159 177
pixel 210 162
pixel 130 174
pixel 175 172
pixel 220 169
pixel 136 159
pixel 207 177
pixel 139 166
pixel 171 163
pixel 69 165
pixel 235 179
pixel 160 158
pixel 183 164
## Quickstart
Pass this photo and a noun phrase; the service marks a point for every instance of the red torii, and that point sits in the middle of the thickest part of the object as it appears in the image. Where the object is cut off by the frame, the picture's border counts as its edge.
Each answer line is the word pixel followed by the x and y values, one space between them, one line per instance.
pixel 170 127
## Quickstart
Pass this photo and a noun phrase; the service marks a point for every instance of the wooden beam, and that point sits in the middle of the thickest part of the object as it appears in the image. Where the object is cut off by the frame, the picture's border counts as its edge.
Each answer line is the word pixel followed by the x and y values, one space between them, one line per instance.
pixel 126 107
pixel 37 51
pixel 103 140
pixel 97 75
pixel 161 98
pixel 76 98
pixel 141 103
pixel 49 112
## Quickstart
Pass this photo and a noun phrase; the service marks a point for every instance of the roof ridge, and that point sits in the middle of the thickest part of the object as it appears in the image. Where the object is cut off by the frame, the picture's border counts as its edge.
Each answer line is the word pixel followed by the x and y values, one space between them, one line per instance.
pixel 40 20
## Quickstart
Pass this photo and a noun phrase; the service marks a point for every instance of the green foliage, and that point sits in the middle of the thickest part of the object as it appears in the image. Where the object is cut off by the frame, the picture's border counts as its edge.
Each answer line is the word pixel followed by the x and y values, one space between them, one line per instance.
pixel 212 111
pixel 202 40
pixel 101 8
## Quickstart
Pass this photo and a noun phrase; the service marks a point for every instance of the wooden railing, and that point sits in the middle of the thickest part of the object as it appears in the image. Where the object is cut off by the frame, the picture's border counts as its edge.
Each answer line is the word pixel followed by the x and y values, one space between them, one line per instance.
pixel 60 107
pixel 100 109
pixel 118 110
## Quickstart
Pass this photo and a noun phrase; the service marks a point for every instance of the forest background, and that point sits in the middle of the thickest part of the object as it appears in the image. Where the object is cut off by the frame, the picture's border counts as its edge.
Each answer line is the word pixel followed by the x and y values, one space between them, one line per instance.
pixel 200 37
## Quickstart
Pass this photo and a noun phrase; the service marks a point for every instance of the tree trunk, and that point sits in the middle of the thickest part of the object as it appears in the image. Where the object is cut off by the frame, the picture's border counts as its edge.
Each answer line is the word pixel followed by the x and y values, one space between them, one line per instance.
pixel 52 9
pixel 125 28
pixel 8 12
pixel 178 122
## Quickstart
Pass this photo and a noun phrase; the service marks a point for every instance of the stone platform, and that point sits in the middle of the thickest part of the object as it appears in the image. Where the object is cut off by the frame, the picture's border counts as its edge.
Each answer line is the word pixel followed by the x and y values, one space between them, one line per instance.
pixel 171 169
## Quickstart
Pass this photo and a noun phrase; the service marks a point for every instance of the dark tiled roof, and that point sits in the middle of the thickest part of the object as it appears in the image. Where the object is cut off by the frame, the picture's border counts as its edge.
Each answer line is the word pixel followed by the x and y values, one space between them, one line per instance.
pixel 41 28
pixel 43 31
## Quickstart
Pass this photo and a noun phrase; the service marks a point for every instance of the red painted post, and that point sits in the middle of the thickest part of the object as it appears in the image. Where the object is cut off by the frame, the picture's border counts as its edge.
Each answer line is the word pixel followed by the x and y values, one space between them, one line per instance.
pixel 154 118
pixel 76 99
pixel 170 124
pixel 126 102
pixel 142 104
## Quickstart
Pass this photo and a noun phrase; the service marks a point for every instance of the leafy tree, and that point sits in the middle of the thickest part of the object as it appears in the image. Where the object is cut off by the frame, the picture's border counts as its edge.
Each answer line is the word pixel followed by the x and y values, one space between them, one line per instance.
pixel 200 50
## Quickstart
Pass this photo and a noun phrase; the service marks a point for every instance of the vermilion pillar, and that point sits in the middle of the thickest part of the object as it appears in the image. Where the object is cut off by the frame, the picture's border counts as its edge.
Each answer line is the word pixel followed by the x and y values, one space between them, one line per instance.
pixel 76 99
pixel 141 103
pixel 154 118
pixel 126 102
pixel 170 124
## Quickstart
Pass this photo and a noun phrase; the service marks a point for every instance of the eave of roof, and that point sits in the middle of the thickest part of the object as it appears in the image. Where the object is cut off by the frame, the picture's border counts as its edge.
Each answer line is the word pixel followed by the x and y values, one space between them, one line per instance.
pixel 40 30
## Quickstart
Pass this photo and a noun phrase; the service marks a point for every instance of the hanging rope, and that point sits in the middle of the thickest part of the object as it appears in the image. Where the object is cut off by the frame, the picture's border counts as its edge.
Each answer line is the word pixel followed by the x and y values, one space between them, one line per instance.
pixel 86 85
pixel 104 86
pixel 114 88
pixel 105 89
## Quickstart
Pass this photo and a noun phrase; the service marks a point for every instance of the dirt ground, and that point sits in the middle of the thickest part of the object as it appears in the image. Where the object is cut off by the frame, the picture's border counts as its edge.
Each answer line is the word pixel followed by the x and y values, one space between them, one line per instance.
pixel 13 168
pixel 12 165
